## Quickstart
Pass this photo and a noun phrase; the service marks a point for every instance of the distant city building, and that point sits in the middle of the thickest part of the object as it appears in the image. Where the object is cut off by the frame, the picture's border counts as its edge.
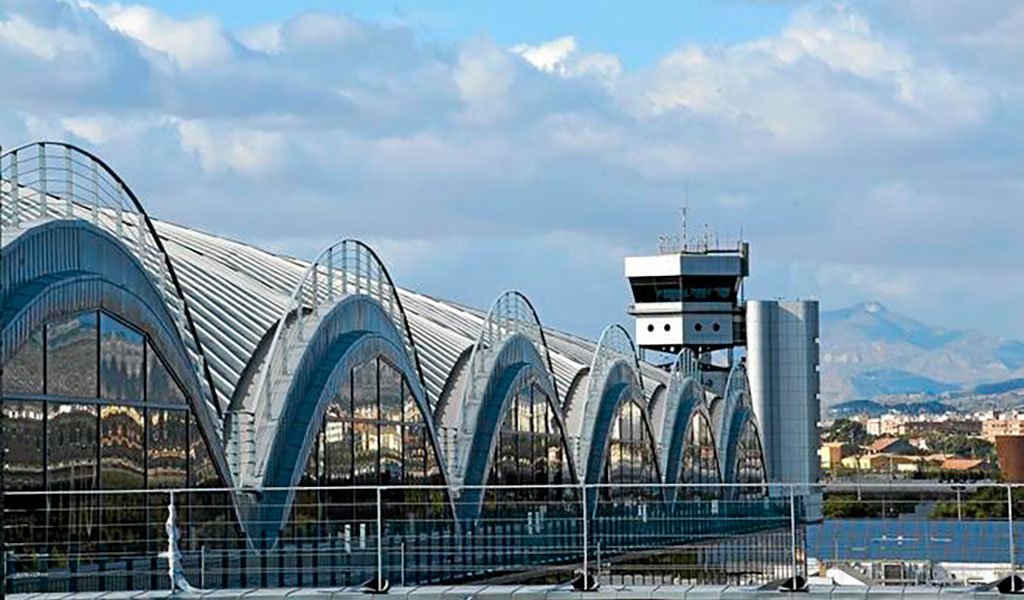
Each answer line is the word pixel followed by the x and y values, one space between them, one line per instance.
pixel 1003 425
pixel 897 425
pixel 968 427
pixel 891 446
pixel 830 455
pixel 963 464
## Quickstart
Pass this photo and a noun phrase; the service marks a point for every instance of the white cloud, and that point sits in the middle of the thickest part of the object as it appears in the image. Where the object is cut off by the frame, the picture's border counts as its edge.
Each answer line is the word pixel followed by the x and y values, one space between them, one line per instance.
pixel 266 39
pixel 484 75
pixel 190 43
pixel 845 145
pixel 562 57
pixel 826 75
pixel 247 151
pixel 26 37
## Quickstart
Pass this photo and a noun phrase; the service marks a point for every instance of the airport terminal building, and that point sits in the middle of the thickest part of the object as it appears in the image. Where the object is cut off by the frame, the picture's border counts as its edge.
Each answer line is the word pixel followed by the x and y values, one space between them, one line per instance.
pixel 316 398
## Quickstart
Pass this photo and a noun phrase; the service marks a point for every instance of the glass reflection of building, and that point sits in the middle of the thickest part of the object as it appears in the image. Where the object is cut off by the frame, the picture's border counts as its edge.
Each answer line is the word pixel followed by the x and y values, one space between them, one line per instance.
pixel 750 468
pixel 89 404
pixel 629 457
pixel 700 460
pixel 373 433
pixel 529 451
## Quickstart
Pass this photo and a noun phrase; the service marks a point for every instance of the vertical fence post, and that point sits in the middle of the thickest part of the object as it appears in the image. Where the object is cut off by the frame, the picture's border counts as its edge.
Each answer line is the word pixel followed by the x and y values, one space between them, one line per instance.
pixel 43 176
pixel 1009 508
pixel 380 542
pixel 583 501
pixel 95 176
pixel 69 194
pixel 15 202
pixel 792 530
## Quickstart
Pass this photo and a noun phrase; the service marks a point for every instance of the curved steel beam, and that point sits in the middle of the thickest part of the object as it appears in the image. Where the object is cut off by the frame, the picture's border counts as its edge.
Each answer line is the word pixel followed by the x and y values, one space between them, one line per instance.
pixel 518 362
pixel 510 315
pixel 343 270
pixel 615 347
pixel 105 275
pixel 357 330
pixel 79 198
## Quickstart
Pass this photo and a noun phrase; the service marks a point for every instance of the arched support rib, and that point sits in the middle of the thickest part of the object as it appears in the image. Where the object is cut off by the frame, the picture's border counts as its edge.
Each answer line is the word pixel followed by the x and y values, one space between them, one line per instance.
pixel 57 180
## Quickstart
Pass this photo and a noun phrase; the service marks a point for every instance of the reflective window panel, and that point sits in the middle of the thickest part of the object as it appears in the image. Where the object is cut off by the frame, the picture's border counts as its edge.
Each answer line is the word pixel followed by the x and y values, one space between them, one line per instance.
pixel 160 386
pixel 337 442
pixel 71 446
pixel 364 391
pixel 390 454
pixel 122 456
pixel 71 465
pixel 391 402
pixel 121 360
pixel 71 355
pixel 23 373
pixel 167 466
pixel 23 433
pixel 201 471
pixel 365 446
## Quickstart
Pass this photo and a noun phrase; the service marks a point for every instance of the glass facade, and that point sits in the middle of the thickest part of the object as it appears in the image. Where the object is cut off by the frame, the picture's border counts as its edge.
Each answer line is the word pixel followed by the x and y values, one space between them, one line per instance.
pixel 122 354
pixel 671 289
pixel 373 433
pixel 750 467
pixel 89 404
pixel 700 459
pixel 529 451
pixel 23 374
pixel 630 456
pixel 72 350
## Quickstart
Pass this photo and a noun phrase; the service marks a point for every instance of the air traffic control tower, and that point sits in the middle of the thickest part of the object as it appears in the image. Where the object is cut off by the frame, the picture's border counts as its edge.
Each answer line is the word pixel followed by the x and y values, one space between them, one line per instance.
pixel 693 298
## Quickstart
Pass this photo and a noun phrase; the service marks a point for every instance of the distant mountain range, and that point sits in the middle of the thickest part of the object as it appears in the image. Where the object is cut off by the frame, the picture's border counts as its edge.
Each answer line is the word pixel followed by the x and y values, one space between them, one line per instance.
pixel 869 351
pixel 874 409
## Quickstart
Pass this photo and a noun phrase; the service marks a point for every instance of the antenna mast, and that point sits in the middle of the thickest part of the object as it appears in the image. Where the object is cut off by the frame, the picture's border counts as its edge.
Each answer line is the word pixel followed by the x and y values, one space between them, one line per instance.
pixel 686 210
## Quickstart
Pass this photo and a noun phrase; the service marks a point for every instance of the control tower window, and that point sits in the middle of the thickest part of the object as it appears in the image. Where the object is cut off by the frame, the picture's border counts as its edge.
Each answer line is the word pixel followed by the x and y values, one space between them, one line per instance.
pixel 688 289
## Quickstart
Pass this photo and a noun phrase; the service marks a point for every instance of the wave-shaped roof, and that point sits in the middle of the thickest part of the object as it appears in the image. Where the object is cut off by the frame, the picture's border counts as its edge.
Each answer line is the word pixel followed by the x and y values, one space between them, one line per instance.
pixel 237 293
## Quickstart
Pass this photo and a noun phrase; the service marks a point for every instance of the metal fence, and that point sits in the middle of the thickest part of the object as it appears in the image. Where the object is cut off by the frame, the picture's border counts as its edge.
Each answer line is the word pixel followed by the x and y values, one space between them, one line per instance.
pixel 896 533
pixel 344 536
pixel 903 532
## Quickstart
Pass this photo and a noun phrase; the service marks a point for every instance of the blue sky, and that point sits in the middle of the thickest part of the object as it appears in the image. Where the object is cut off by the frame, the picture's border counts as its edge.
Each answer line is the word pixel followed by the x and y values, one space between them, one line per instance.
pixel 868 149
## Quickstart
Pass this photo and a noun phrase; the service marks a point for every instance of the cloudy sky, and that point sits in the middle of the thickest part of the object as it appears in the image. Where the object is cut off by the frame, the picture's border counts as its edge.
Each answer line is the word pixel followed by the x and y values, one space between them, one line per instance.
pixel 868 150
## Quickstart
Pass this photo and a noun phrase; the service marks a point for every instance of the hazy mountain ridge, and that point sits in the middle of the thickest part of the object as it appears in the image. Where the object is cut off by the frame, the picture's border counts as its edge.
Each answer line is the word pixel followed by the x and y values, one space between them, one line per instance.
pixel 868 351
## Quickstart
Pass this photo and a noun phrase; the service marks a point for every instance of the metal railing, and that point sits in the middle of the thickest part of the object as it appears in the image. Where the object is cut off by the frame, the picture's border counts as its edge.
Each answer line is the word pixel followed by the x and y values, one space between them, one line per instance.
pixel 72 541
pixel 896 533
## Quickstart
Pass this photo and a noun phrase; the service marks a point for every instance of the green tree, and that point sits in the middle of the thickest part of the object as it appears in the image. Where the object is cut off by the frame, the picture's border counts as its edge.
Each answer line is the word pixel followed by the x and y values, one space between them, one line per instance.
pixel 848 432
pixel 847 506
pixel 988 503
pixel 970 447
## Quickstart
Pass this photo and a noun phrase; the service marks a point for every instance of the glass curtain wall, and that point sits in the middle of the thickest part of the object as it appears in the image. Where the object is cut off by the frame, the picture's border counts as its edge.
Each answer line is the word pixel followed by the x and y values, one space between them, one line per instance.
pixel 750 468
pixel 700 460
pixel 529 451
pixel 89 404
pixel 372 434
pixel 629 458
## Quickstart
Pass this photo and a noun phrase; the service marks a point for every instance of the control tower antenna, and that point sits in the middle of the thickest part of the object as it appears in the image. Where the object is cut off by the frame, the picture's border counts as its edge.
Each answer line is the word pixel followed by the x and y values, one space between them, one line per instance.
pixel 685 210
